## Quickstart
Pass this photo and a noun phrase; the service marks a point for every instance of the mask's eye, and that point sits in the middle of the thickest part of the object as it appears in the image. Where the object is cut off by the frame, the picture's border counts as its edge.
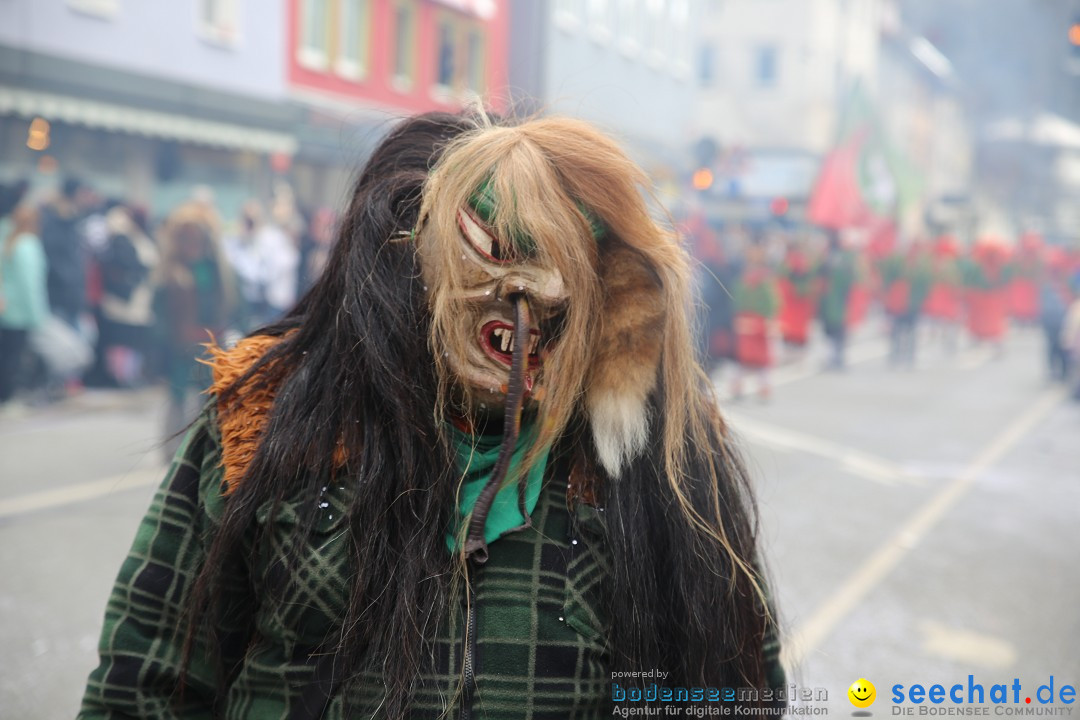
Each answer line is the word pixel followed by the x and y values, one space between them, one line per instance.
pixel 481 238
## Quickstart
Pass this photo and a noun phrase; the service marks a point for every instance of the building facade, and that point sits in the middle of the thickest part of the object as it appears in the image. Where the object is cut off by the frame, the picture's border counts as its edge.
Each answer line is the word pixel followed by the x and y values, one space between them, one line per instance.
pixel 775 74
pixel 146 100
pixel 355 66
pixel 624 65
pixel 780 80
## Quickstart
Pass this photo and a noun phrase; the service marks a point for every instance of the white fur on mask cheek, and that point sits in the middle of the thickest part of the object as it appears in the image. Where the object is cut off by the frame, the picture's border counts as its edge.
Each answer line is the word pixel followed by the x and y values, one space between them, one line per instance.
pixel 620 425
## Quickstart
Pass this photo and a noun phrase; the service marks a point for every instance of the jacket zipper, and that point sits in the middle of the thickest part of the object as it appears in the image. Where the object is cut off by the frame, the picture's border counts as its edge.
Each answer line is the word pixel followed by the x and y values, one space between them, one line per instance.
pixel 469 647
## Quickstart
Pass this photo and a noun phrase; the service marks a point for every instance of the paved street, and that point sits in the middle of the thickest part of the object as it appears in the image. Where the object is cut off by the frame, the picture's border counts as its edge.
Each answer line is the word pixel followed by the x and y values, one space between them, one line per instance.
pixel 921 524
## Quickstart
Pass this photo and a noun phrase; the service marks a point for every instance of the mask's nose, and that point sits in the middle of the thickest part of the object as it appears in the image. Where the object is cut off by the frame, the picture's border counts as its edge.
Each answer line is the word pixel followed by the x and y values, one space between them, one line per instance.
pixel 545 286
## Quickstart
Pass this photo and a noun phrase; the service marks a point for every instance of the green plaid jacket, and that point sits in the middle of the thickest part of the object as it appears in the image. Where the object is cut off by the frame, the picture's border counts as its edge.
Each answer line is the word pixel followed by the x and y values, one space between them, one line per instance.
pixel 541 647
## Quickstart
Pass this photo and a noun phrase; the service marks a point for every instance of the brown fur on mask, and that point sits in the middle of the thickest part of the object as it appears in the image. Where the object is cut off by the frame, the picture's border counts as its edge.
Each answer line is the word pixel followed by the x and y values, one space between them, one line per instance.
pixel 628 352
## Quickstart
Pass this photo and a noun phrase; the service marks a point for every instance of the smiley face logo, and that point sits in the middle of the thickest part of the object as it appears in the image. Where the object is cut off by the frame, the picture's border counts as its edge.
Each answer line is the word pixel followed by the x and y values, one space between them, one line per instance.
pixel 862 693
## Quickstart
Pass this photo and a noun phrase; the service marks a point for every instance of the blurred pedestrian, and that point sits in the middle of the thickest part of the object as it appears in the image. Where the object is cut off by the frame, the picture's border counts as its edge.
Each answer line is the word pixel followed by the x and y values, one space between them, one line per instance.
pixel 943 304
pixel 1025 272
pixel 757 302
pixel 721 266
pixel 906 279
pixel 265 260
pixel 126 315
pixel 25 305
pixel 837 275
pixel 797 282
pixel 315 248
pixel 1070 341
pixel 196 296
pixel 1055 296
pixel 61 236
pixel 986 279
pixel 10 197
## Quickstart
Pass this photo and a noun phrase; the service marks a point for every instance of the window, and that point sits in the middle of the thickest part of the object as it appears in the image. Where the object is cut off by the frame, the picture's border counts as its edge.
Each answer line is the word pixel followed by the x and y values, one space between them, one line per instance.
pixel 599 19
pixel 461 63
pixel 98 8
pixel 354 31
pixel 314 51
pixel 566 14
pixel 629 26
pixel 446 50
pixel 475 60
pixel 765 66
pixel 680 39
pixel 654 31
pixel 706 64
pixel 219 21
pixel 403 64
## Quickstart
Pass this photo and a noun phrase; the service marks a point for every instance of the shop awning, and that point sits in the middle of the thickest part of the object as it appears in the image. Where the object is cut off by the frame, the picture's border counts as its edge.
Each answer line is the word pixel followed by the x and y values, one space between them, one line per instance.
pixel 150 123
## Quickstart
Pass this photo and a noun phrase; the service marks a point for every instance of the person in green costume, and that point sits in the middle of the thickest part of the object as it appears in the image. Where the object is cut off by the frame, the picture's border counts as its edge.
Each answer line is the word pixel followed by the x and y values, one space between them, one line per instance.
pixel 475 472
pixel 906 278
pixel 838 272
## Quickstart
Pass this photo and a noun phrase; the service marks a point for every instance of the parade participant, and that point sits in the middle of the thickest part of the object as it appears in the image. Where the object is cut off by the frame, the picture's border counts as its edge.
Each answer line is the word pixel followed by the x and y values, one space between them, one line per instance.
pixel 837 275
pixel 943 306
pixel 720 270
pixel 473 473
pixel 986 277
pixel 798 283
pixel 1025 271
pixel 906 278
pixel 757 301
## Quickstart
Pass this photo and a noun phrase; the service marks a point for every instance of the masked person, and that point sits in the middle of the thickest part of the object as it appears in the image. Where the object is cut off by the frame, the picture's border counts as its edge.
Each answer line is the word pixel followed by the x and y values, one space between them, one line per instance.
pixel 473 473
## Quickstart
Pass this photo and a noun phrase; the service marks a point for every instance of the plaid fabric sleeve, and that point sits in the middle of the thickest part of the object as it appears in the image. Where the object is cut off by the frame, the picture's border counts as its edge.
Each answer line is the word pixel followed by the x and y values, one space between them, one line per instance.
pixel 143 635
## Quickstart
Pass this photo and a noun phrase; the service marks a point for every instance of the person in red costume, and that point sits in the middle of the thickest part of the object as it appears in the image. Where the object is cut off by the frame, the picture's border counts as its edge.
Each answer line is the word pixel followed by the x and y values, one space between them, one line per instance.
pixel 757 301
pixel 798 297
pixel 986 279
pixel 1023 290
pixel 943 305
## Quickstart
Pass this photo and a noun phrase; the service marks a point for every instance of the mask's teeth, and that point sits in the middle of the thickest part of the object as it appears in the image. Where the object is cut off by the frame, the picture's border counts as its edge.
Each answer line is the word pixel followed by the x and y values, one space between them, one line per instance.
pixel 534 340
pixel 508 345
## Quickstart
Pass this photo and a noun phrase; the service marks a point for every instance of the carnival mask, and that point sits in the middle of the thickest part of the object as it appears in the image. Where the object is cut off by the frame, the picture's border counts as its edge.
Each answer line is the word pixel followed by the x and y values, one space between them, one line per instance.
pixel 536 238
pixel 485 276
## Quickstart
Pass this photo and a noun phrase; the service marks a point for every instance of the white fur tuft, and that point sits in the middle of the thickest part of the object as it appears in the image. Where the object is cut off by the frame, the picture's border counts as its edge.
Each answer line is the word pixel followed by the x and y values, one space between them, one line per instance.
pixel 620 426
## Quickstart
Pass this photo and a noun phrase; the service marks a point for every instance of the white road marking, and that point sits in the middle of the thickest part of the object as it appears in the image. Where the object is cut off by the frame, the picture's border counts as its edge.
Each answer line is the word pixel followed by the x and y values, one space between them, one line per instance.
pixel 46 499
pixel 835 609
pixel 965 647
pixel 855 461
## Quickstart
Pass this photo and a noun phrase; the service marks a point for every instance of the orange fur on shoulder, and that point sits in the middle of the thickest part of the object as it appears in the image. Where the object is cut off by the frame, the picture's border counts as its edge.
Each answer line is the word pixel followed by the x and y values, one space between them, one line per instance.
pixel 242 418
